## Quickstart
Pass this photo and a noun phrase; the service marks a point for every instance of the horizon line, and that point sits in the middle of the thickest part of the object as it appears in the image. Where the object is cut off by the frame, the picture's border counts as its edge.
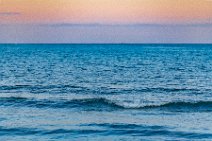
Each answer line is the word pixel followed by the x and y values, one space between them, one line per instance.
pixel 109 43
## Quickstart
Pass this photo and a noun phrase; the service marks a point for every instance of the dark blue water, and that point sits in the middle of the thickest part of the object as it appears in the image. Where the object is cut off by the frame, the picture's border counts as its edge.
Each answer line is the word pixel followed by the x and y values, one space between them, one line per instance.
pixel 105 92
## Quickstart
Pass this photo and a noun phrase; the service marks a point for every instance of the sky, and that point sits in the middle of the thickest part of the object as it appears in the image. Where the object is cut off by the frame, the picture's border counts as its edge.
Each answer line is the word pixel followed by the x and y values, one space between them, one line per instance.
pixel 105 21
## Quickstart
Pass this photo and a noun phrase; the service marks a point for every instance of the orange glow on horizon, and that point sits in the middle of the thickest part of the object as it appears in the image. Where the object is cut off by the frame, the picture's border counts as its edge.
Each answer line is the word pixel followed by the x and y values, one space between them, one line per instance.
pixel 106 11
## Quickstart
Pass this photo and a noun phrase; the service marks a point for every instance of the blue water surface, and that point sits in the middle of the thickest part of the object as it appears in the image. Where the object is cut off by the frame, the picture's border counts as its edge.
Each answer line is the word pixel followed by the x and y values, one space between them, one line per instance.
pixel 105 92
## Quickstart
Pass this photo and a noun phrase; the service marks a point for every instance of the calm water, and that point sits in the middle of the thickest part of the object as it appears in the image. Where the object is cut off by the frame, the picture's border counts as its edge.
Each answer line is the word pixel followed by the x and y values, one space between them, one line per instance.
pixel 105 92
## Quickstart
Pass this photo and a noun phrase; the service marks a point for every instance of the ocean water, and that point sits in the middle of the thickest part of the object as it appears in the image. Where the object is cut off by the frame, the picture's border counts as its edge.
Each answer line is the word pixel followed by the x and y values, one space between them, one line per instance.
pixel 105 92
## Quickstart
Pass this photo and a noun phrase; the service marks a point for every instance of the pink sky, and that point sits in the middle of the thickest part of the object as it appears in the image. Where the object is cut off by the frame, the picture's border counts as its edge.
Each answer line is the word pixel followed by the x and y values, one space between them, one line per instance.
pixel 105 11
pixel 72 21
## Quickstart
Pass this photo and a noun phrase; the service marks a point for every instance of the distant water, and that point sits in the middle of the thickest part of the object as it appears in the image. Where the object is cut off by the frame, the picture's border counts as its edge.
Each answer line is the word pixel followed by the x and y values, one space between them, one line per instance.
pixel 105 92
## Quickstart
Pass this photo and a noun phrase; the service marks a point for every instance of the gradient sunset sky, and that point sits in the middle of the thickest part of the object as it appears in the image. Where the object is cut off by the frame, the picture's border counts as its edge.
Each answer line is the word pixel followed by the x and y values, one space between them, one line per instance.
pixel 165 16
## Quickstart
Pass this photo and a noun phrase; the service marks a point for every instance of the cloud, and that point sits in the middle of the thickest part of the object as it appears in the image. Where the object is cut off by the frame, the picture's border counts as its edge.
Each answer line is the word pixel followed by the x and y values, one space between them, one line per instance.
pixel 70 33
pixel 9 13
pixel 73 25
pixel 126 25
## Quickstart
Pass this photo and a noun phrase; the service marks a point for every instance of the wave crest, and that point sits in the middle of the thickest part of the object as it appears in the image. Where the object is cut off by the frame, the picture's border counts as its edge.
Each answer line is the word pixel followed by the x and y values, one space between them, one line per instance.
pixel 103 104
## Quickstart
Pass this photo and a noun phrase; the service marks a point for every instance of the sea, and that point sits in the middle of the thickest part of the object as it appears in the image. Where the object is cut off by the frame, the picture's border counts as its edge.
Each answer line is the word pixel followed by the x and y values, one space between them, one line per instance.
pixel 105 92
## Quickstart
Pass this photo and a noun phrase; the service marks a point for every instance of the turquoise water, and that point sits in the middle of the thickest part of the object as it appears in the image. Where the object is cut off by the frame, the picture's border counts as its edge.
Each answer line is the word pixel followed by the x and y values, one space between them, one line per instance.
pixel 105 92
